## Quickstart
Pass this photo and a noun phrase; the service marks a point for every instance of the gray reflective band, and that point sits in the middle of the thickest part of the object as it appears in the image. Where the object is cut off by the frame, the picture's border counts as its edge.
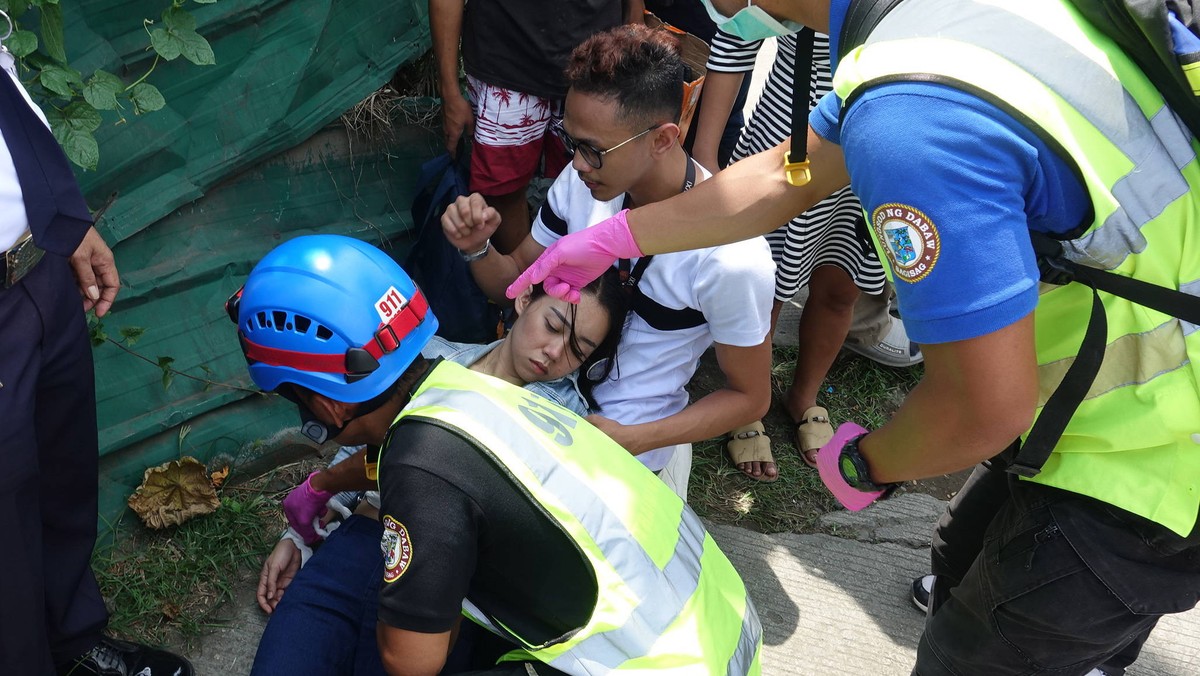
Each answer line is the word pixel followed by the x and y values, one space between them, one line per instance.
pixel 1131 359
pixel 747 647
pixel 658 607
pixel 663 593
pixel 1143 194
pixel 1157 150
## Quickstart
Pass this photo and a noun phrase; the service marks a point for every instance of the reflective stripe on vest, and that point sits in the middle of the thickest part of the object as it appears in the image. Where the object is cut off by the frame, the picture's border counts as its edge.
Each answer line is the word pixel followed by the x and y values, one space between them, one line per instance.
pixel 1039 62
pixel 669 601
pixel 1191 70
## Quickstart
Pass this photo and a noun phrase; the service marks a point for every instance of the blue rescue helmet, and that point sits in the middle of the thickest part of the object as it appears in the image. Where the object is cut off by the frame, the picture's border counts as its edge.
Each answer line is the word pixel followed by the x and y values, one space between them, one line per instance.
pixel 331 314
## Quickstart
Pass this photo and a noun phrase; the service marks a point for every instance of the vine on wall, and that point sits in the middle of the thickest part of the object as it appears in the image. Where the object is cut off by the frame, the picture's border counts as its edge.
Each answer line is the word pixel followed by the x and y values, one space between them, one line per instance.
pixel 73 100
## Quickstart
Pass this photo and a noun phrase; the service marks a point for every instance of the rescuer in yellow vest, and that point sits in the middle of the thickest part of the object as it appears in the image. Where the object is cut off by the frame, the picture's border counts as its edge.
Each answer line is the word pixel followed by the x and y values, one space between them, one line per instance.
pixel 495 503
pixel 969 128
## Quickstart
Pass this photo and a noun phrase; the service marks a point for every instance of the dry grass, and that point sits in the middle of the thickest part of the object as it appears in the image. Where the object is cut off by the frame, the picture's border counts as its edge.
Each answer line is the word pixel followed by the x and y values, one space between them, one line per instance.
pixel 409 99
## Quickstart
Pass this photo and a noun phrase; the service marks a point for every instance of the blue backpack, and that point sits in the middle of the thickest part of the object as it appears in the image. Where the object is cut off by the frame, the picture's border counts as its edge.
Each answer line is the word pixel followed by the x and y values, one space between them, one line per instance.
pixel 463 311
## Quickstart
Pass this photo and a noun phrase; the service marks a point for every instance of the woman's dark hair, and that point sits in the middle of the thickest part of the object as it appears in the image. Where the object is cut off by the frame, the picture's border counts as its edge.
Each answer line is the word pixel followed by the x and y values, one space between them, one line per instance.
pixel 615 299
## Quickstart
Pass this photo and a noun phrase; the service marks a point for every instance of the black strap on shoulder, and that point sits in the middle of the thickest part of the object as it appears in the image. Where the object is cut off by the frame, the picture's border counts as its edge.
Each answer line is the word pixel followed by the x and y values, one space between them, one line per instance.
pixel 657 315
pixel 862 16
pixel 1056 269
pixel 663 318
pixel 801 93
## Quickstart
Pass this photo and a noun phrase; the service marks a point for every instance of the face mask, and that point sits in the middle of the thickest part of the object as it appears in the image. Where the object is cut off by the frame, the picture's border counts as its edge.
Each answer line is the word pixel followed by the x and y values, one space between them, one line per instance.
pixel 751 23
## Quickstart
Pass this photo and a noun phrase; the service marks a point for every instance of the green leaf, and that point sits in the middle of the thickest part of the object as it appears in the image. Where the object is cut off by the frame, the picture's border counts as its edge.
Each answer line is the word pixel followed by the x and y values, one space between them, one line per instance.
pixel 164 363
pixel 81 148
pixel 61 80
pixel 204 2
pixel 73 127
pixel 22 43
pixel 101 90
pixel 179 20
pixel 38 61
pixel 196 49
pixel 146 98
pixel 166 44
pixel 52 32
pixel 17 11
pixel 130 334
pixel 81 116
pixel 96 332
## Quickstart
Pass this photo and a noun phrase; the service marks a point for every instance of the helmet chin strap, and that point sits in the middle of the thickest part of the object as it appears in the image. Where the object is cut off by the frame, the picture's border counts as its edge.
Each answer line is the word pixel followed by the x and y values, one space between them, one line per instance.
pixel 319 431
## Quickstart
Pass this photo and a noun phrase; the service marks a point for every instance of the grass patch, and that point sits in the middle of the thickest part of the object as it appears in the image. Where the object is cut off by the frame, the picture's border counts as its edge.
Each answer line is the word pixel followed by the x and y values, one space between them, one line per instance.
pixel 163 586
pixel 856 389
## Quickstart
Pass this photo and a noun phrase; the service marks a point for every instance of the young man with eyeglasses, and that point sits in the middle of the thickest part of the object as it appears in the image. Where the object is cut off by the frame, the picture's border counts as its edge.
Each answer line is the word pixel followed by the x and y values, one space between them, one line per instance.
pixel 621 126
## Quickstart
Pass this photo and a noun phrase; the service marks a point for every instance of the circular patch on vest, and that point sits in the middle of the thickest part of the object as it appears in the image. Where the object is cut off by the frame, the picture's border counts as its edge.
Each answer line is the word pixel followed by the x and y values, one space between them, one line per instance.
pixel 397 549
pixel 909 239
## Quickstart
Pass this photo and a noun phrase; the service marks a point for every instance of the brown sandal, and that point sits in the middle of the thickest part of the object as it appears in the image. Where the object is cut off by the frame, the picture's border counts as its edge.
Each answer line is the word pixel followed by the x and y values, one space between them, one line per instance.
pixel 812 432
pixel 750 443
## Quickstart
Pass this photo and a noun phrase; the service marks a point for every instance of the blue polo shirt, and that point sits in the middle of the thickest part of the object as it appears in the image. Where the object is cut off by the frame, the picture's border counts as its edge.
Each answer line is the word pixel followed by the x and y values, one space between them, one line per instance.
pixel 956 184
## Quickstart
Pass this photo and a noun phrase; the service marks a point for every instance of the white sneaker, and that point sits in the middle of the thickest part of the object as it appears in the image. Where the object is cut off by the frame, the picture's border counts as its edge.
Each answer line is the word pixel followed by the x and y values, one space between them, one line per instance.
pixel 921 588
pixel 894 350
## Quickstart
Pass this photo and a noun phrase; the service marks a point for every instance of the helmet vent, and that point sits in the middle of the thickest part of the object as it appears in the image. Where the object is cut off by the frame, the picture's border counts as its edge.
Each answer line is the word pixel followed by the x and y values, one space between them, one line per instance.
pixel 285 321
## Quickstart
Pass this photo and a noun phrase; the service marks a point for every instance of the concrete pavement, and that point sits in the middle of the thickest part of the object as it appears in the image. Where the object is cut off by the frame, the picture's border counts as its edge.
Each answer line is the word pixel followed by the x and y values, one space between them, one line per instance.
pixel 833 605
pixel 839 605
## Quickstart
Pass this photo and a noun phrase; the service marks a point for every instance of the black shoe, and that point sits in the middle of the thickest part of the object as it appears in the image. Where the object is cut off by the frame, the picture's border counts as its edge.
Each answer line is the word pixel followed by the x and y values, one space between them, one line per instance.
pixel 112 657
pixel 921 587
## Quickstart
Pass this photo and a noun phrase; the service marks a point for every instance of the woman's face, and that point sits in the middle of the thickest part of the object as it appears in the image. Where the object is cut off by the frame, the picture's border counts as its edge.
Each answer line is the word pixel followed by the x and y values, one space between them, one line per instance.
pixel 541 337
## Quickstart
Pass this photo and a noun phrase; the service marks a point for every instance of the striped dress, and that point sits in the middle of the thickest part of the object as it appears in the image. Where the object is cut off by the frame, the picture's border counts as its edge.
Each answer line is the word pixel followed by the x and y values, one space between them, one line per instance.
pixel 827 233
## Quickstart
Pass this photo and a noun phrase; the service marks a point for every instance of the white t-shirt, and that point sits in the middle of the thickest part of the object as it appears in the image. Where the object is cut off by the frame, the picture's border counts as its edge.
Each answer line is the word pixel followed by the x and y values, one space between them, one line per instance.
pixel 731 285
pixel 13 221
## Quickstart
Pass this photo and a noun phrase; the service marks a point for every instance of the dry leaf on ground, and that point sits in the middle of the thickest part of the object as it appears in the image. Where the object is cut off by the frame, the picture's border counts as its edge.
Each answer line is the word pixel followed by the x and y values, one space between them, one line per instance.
pixel 174 492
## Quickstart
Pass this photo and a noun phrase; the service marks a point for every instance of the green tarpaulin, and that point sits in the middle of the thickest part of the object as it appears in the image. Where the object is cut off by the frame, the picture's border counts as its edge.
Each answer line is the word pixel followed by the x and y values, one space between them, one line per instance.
pixel 243 157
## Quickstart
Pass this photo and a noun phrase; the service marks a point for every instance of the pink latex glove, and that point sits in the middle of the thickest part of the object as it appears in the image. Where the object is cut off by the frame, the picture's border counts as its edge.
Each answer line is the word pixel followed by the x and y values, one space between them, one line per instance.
pixel 574 261
pixel 304 506
pixel 831 475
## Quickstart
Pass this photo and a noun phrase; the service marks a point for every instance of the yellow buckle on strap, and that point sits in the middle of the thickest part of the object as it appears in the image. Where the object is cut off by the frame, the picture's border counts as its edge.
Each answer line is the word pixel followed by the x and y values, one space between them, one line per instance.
pixel 797 173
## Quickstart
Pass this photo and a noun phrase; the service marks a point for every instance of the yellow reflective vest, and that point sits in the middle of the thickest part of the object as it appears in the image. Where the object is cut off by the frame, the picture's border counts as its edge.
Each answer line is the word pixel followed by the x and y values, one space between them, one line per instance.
pixel 668 600
pixel 1134 442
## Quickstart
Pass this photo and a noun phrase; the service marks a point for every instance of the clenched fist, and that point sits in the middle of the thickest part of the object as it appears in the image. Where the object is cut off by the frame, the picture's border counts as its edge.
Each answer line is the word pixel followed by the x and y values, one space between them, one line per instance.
pixel 469 222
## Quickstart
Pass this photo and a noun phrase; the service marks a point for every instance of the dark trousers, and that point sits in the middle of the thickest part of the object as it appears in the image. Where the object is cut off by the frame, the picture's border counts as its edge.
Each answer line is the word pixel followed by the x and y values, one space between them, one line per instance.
pixel 1034 580
pixel 51 609
pixel 325 623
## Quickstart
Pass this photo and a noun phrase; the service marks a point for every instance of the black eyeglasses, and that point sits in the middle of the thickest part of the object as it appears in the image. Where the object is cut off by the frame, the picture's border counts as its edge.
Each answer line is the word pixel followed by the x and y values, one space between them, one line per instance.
pixel 590 153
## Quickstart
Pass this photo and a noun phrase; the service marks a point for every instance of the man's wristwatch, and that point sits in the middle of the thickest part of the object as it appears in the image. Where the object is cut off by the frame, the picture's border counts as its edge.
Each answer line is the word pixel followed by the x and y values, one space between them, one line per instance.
pixel 472 257
pixel 855 471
